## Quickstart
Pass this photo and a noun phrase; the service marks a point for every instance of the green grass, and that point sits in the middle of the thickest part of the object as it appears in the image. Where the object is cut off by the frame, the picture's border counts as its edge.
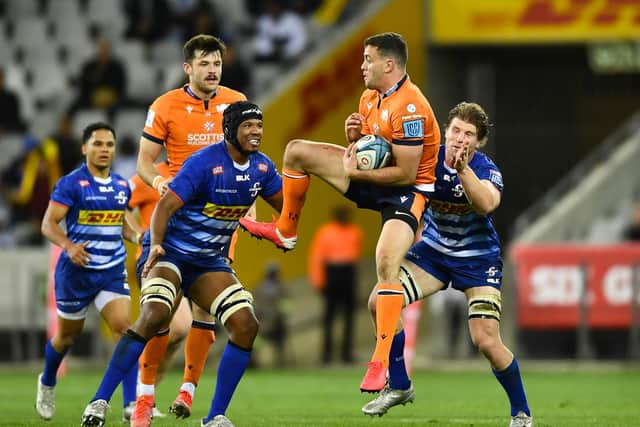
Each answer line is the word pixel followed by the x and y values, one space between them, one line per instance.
pixel 330 397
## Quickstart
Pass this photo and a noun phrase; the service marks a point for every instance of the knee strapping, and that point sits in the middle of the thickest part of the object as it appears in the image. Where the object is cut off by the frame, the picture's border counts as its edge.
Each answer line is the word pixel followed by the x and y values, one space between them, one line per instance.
pixel 158 290
pixel 412 291
pixel 486 306
pixel 230 300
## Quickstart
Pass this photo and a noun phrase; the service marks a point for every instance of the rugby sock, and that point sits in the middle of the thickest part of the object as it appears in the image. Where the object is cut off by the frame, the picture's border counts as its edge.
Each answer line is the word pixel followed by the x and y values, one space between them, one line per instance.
pixel 52 361
pixel 389 302
pixel 398 377
pixel 511 381
pixel 151 358
pixel 124 357
pixel 129 383
pixel 232 366
pixel 196 350
pixel 294 189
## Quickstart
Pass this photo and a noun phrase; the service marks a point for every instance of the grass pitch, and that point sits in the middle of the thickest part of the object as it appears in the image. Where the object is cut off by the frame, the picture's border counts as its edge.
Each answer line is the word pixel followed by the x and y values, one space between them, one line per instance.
pixel 571 397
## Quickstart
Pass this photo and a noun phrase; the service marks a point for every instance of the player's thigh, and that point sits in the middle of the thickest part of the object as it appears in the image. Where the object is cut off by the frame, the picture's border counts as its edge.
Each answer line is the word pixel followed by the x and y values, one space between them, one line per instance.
pixel 417 283
pixel 320 159
pixel 181 321
pixel 200 314
pixel 210 286
pixel 116 313
pixel 395 240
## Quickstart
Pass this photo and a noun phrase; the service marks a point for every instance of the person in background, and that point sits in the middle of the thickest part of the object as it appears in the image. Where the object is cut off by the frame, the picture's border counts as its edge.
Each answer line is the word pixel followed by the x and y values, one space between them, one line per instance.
pixel 92 202
pixel 335 251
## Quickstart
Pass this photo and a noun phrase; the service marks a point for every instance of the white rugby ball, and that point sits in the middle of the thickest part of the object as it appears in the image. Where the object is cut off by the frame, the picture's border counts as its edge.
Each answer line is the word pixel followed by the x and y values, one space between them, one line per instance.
pixel 372 152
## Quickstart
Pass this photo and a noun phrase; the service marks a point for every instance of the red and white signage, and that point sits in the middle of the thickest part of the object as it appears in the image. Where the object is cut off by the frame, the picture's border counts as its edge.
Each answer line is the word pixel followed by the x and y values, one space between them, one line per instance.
pixel 551 278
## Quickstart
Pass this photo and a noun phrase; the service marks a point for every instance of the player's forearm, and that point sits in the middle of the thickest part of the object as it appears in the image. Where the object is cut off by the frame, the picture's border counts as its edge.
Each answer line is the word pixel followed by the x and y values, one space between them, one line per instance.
pixel 146 171
pixel 483 198
pixel 55 234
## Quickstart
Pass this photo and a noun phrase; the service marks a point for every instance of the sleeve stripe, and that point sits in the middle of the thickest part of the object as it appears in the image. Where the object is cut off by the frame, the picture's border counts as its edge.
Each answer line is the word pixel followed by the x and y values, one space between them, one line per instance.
pixel 408 141
pixel 152 138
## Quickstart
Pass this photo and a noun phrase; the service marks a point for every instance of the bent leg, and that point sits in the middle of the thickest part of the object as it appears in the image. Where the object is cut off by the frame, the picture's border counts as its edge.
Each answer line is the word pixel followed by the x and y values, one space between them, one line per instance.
pixel 303 158
pixel 485 334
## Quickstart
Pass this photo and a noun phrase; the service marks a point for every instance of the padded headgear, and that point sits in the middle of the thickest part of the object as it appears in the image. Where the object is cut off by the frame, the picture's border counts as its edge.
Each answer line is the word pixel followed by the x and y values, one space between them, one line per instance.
pixel 234 115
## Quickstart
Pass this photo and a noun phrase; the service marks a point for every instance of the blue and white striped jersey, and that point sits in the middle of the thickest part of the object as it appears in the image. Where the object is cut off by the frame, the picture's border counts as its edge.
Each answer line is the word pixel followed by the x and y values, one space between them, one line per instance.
pixel 216 193
pixel 451 226
pixel 96 214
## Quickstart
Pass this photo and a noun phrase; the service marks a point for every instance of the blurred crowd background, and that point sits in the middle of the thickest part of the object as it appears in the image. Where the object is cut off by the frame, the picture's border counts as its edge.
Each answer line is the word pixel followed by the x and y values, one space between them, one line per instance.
pixel 560 81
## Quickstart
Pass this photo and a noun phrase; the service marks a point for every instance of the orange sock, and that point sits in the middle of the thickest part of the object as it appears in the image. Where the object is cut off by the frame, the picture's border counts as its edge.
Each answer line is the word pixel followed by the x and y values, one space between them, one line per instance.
pixel 294 189
pixel 389 303
pixel 196 350
pixel 152 356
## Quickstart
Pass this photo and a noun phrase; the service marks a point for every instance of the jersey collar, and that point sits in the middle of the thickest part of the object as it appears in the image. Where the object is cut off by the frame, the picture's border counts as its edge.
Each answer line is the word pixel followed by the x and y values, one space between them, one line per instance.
pixel 395 87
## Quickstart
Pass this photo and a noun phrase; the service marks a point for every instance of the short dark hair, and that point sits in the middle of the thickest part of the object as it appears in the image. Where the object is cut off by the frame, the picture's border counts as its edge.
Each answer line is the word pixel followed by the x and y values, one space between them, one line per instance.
pixel 204 42
pixel 88 131
pixel 473 113
pixel 390 44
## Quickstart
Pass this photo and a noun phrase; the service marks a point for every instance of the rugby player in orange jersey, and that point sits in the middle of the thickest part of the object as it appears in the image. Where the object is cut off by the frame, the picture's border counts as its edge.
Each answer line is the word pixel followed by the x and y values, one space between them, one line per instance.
pixel 182 121
pixel 394 108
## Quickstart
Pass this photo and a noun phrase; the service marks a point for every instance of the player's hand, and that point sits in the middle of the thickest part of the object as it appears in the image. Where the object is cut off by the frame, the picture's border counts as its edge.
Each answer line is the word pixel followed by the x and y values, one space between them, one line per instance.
pixel 161 184
pixel 349 159
pixel 353 126
pixel 155 253
pixel 78 255
pixel 461 157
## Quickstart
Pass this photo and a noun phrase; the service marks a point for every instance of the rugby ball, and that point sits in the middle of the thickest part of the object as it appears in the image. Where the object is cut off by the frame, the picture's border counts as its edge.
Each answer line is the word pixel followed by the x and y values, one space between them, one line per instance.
pixel 372 152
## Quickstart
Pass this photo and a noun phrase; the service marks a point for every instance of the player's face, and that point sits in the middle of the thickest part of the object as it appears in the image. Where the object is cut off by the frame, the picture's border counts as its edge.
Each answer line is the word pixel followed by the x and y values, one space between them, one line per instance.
pixel 250 135
pixel 458 134
pixel 100 149
pixel 205 72
pixel 373 68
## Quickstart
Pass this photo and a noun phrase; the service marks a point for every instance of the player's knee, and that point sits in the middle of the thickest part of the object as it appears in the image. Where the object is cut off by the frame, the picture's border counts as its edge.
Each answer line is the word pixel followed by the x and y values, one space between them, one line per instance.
pixel 119 327
pixel 372 303
pixel 386 268
pixel 158 290
pixel 231 300
pixel 243 327
pixel 412 291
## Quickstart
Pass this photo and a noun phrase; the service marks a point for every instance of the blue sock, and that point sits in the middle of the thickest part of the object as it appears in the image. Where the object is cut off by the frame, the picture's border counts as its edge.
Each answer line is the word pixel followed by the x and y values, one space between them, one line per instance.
pixel 511 381
pixel 398 377
pixel 52 361
pixel 232 366
pixel 124 357
pixel 129 383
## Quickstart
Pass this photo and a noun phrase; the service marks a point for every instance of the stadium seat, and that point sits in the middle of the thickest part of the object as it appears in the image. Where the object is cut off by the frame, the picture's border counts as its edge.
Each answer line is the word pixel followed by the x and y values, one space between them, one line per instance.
pixel 19 9
pixel 129 122
pixel 85 116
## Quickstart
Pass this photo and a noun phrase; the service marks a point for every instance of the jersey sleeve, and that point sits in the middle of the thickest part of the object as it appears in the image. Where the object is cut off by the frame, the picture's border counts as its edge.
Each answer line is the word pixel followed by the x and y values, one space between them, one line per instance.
pixel 155 124
pixel 272 183
pixel 63 192
pixel 490 172
pixel 410 123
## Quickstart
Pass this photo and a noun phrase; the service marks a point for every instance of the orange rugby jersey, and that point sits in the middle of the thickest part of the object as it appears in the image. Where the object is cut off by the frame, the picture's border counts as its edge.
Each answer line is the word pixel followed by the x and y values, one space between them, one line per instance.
pixel 185 123
pixel 403 116
pixel 144 197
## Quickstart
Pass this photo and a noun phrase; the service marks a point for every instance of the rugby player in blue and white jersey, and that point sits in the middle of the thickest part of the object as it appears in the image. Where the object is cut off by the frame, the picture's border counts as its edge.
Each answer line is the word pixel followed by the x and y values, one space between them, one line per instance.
pixel 460 247
pixel 91 200
pixel 185 255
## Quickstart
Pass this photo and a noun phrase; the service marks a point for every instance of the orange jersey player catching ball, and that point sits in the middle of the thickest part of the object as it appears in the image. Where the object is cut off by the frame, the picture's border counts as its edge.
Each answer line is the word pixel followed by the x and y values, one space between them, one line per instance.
pixel 394 108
